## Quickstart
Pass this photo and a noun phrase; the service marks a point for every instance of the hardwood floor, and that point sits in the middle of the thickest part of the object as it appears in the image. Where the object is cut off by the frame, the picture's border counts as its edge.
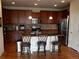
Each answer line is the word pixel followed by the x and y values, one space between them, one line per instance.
pixel 66 53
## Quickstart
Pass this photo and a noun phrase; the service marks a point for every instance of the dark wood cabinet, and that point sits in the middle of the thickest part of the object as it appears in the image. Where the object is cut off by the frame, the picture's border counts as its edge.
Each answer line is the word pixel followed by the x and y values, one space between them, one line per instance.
pixel 65 13
pixel 4 12
pixel 44 15
pixel 36 15
pixel 10 17
pixel 6 17
pixel 13 17
pixel 21 17
pixel 27 14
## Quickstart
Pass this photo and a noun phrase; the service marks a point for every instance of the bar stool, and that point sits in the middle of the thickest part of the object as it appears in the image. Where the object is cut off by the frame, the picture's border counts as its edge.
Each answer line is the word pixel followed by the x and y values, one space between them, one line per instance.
pixel 42 42
pixel 54 43
pixel 25 46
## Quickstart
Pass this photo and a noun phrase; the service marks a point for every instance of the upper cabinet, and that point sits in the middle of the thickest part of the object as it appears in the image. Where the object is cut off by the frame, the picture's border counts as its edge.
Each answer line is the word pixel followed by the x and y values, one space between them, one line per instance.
pixel 36 15
pixel 4 16
pixel 16 16
pixel 28 13
pixel 49 17
pixel 22 16
pixel 43 17
pixel 13 16
pixel 65 13
pixel 10 16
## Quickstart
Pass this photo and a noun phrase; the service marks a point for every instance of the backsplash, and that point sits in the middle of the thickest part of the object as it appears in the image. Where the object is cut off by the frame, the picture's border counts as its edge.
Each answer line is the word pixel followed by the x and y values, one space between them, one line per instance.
pixel 49 26
pixel 29 26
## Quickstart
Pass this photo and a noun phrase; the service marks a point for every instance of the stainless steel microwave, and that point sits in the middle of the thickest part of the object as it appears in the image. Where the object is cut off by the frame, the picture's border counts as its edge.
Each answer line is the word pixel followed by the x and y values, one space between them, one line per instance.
pixel 35 20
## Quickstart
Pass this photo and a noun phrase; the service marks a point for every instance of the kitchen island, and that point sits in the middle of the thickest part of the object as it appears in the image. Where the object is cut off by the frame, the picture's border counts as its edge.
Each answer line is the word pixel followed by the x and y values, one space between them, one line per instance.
pixel 50 38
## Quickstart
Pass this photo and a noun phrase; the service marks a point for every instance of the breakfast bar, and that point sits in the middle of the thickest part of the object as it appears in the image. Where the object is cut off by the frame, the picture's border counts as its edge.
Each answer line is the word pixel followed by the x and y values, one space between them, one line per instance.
pixel 50 39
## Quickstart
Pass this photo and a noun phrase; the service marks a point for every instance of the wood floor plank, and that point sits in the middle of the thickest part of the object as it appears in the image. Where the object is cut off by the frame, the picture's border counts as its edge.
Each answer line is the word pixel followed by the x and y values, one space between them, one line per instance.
pixel 66 53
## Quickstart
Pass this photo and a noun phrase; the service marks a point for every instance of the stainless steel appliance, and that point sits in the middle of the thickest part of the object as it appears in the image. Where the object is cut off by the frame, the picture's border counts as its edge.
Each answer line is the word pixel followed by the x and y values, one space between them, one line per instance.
pixel 35 20
pixel 65 29
pixel 35 26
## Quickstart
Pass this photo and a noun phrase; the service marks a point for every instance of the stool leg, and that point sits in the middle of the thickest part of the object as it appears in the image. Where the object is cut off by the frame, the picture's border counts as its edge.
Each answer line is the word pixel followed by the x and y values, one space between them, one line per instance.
pixel 44 50
pixel 38 48
pixel 53 48
pixel 29 50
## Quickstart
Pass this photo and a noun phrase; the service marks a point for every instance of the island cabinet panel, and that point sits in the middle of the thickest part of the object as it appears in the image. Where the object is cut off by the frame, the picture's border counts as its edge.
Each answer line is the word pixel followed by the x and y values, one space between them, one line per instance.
pixel 11 36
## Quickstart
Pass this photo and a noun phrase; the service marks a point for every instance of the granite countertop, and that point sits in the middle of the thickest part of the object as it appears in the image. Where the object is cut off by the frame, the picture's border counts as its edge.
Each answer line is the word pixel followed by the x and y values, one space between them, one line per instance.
pixel 47 34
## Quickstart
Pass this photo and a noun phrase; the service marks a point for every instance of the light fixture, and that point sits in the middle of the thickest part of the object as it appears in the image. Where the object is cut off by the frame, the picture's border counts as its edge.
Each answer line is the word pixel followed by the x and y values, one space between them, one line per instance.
pixel 35 4
pixel 63 1
pixel 30 17
pixel 13 2
pixel 55 5
pixel 50 17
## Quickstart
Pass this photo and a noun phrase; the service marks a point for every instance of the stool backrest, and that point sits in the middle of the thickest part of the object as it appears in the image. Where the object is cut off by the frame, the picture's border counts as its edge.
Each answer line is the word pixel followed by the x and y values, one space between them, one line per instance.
pixel 26 38
pixel 54 38
pixel 42 38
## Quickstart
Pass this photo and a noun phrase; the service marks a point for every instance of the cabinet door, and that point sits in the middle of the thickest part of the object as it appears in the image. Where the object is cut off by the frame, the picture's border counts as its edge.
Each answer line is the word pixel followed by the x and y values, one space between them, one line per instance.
pixel 64 14
pixel 13 17
pixel 4 16
pixel 59 18
pixel 7 17
pixel 50 17
pixel 43 17
pixel 35 15
pixel 55 17
pixel 27 14
pixel 21 17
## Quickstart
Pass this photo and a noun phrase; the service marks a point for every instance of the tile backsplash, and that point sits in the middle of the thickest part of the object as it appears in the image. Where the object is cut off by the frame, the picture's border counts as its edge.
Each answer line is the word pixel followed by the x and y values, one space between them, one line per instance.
pixel 29 26
pixel 49 26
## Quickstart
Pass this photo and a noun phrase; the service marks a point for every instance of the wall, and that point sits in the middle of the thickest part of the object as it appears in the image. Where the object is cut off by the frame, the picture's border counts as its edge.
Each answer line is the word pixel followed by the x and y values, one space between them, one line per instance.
pixel 74 25
pixel 1 33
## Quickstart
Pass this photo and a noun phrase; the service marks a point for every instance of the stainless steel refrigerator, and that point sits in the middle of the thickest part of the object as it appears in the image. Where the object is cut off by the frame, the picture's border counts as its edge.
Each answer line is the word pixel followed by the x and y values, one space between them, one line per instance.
pixel 64 27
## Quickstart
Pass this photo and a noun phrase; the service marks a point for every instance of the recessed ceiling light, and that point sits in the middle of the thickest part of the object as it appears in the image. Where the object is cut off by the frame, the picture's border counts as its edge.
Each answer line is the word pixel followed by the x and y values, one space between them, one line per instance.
pixel 63 1
pixel 35 4
pixel 13 2
pixel 55 5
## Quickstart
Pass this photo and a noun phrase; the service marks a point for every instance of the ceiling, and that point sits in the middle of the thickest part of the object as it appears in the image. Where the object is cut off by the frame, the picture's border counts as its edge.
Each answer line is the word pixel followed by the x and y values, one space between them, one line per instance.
pixel 41 3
